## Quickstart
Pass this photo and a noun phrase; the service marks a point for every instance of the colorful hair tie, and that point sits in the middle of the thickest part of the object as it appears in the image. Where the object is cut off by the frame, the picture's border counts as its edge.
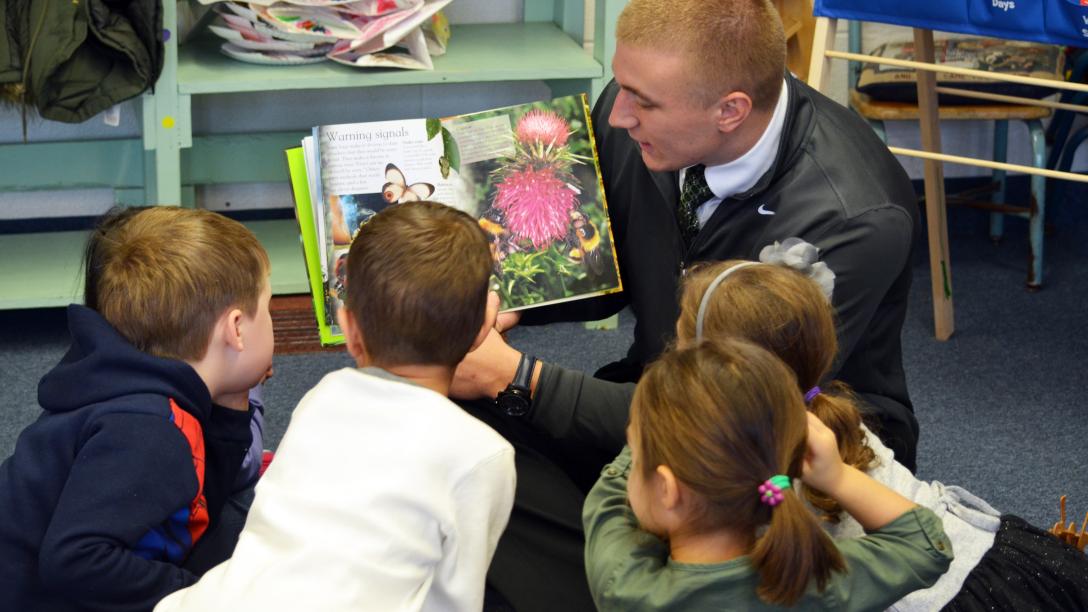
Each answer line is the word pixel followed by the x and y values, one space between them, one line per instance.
pixel 770 492
pixel 811 394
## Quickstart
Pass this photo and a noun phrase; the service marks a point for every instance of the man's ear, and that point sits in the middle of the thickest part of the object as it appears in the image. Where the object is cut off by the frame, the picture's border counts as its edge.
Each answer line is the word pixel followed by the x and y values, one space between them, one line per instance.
pixel 733 108
pixel 353 336
pixel 491 312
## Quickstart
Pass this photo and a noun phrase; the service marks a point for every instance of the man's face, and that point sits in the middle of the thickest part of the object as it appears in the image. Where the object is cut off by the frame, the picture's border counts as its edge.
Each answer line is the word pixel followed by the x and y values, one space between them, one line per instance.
pixel 657 106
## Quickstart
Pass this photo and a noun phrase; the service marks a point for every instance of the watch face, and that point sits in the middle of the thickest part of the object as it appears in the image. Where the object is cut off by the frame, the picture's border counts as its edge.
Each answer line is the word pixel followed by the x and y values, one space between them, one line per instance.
pixel 513 403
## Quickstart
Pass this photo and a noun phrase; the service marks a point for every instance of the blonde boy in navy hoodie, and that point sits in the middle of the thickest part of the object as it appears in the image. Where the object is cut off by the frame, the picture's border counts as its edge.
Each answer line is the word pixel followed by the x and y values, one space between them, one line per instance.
pixel 145 420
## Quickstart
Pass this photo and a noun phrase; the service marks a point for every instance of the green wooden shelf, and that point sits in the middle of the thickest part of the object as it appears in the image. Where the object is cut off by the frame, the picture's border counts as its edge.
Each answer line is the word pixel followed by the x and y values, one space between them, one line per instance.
pixel 43 270
pixel 40 270
pixel 477 53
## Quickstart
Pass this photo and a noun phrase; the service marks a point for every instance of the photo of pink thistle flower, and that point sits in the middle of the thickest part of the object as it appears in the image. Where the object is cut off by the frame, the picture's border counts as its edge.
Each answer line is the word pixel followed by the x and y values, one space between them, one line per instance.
pixel 542 127
pixel 537 204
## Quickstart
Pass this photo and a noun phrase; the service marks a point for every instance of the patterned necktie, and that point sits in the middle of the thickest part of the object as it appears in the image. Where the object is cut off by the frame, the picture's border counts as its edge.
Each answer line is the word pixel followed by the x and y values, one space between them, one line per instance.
pixel 694 192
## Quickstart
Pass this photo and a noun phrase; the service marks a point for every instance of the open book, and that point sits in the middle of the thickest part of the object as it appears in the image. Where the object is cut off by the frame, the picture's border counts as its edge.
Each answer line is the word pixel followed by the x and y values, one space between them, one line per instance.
pixel 528 173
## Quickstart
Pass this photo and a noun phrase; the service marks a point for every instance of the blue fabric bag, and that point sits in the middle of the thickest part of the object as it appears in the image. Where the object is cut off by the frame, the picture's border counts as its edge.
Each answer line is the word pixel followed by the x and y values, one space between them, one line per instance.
pixel 1060 22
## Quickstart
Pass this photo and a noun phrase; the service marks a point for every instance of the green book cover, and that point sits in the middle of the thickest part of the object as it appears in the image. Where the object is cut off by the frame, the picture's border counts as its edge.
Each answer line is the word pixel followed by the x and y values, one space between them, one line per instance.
pixel 307 225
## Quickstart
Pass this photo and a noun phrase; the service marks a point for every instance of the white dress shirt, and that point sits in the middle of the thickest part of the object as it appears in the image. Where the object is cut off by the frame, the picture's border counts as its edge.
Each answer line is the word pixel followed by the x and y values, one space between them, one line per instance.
pixel 742 173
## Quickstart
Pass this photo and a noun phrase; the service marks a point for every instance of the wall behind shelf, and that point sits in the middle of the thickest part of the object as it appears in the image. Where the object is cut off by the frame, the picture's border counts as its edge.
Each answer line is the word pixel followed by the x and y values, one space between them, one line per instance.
pixel 281 111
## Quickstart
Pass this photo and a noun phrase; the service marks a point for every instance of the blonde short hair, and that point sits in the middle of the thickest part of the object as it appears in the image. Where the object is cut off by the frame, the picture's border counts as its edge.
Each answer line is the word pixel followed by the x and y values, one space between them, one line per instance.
pixel 733 45
pixel 163 275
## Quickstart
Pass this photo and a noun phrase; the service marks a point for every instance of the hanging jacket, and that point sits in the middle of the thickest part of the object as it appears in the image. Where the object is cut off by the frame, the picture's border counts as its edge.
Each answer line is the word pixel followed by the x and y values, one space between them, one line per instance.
pixel 72 59
pixel 111 487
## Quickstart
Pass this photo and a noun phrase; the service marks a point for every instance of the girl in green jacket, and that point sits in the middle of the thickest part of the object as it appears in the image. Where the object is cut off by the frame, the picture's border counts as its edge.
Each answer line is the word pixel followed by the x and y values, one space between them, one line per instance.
pixel 699 512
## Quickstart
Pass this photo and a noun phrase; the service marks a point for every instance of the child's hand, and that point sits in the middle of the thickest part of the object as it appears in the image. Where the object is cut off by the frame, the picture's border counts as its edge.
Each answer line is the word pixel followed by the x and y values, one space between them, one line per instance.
pixel 823 467
pixel 872 504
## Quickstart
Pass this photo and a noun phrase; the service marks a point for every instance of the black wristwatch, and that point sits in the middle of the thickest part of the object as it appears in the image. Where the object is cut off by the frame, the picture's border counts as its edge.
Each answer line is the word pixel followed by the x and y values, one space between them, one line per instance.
pixel 516 399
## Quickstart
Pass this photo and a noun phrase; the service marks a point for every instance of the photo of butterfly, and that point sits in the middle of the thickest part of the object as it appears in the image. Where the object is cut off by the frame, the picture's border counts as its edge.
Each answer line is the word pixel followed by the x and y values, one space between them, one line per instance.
pixel 396 189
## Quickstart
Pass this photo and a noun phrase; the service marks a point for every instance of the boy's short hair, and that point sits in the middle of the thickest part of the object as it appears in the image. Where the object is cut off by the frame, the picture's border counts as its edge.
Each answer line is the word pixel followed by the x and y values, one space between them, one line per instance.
pixel 163 275
pixel 417 284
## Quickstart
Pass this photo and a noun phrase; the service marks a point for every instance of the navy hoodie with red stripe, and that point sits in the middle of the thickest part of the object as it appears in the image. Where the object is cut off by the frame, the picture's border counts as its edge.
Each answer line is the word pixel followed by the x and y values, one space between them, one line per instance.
pixel 110 488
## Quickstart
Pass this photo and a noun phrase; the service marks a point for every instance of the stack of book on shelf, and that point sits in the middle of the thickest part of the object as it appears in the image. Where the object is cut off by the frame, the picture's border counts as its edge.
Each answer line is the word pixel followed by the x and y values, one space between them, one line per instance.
pixel 361 33
pixel 528 173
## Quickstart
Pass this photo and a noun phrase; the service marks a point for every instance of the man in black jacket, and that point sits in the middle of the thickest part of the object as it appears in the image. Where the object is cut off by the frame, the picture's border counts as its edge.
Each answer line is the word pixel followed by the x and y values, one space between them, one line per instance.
pixel 779 160
pixel 709 150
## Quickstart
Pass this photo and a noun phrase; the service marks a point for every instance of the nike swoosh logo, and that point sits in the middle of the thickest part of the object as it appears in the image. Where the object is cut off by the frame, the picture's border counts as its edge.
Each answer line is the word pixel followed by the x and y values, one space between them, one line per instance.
pixel 763 210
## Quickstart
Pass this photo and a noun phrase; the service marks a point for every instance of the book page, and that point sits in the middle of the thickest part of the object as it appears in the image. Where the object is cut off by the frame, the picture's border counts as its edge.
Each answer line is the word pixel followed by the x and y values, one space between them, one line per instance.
pixel 317 205
pixel 365 167
pixel 534 171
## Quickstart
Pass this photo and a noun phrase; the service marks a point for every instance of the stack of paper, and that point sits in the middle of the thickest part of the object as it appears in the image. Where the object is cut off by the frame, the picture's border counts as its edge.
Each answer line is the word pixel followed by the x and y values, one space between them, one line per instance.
pixel 364 33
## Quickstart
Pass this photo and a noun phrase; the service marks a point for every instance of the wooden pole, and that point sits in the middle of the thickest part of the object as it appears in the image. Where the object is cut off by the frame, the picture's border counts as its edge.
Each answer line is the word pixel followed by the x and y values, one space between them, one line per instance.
pixel 940 265
pixel 930 68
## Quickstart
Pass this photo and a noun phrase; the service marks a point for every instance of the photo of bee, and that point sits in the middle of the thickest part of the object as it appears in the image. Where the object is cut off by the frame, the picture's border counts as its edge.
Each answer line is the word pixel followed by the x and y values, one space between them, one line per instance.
pixel 492 221
pixel 396 189
pixel 585 243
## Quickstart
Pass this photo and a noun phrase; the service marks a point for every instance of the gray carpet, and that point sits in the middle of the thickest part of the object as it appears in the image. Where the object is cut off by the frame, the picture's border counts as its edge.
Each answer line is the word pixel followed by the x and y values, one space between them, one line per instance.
pixel 1000 405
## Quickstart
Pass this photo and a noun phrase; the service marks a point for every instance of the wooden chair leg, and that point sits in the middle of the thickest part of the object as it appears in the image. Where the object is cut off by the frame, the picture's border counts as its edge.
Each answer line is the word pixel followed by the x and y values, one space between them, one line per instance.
pixel 940 266
pixel 823 38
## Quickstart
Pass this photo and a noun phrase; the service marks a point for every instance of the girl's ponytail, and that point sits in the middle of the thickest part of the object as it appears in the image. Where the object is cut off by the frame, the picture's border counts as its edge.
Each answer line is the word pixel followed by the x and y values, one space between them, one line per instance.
pixel 723 415
pixel 793 552
pixel 836 408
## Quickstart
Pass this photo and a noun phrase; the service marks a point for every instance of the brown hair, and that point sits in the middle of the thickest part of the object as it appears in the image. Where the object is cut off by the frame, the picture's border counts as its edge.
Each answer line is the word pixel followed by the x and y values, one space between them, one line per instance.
pixel 163 275
pixel 786 313
pixel 732 45
pixel 725 416
pixel 417 284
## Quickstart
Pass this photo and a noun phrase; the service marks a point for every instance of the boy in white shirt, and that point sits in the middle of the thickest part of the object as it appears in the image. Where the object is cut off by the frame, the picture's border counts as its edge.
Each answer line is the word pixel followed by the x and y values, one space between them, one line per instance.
pixel 384 495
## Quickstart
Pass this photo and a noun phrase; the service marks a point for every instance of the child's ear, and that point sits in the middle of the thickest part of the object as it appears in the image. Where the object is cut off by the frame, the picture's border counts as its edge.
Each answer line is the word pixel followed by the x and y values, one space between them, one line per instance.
pixel 229 329
pixel 491 313
pixel 353 336
pixel 667 488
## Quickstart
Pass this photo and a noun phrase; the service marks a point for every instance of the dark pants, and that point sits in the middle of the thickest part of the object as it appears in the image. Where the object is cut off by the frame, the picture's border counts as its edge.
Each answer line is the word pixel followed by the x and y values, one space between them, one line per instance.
pixel 539 563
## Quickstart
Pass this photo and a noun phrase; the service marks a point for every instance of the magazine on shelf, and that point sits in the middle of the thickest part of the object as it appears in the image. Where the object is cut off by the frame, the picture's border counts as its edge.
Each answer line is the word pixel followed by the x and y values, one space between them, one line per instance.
pixel 528 173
